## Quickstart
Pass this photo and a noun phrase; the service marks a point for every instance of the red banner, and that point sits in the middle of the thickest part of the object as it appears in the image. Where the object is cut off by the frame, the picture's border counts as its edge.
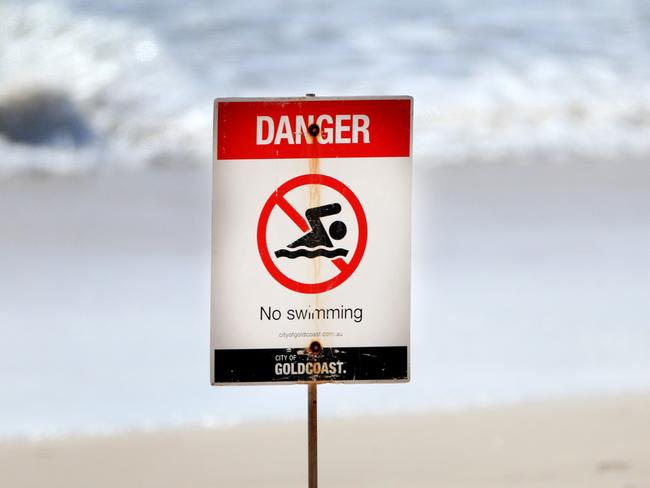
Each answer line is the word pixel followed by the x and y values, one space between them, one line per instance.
pixel 318 128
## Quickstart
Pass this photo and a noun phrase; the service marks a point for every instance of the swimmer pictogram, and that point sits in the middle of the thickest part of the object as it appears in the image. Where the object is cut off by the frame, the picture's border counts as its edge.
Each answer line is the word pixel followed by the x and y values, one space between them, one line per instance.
pixel 318 242
pixel 318 238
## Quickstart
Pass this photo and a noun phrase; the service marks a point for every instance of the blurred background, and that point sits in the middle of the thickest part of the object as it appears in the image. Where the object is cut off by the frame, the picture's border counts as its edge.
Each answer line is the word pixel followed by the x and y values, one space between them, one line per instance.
pixel 531 235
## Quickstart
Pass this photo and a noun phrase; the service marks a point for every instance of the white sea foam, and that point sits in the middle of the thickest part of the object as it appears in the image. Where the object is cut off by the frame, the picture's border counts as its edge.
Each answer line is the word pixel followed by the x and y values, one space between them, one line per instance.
pixel 130 95
pixel 509 81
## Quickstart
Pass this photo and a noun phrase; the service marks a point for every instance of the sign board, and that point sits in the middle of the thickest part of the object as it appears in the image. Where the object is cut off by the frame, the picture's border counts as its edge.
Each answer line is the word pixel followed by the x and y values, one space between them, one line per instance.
pixel 311 240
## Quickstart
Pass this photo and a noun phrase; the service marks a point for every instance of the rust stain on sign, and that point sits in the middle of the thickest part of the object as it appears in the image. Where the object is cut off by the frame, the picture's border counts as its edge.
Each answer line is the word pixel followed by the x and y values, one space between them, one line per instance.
pixel 315 348
pixel 315 201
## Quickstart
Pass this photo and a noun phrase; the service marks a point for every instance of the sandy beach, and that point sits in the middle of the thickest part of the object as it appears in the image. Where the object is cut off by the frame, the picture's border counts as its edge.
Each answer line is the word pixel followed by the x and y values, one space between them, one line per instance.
pixel 105 328
pixel 590 443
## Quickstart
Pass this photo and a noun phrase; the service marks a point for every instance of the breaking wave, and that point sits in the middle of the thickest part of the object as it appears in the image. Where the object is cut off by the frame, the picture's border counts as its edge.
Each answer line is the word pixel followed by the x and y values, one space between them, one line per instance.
pixel 80 92
pixel 87 84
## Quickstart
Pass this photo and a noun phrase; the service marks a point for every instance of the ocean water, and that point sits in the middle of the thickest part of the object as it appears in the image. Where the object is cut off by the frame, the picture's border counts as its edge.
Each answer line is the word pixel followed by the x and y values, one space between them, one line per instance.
pixel 527 283
pixel 129 83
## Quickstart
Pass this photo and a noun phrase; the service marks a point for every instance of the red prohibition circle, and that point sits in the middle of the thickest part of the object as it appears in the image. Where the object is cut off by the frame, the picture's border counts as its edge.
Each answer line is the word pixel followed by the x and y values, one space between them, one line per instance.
pixel 277 198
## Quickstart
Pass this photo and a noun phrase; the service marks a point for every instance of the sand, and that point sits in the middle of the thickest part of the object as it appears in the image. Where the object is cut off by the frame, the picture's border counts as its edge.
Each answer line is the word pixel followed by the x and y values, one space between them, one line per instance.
pixel 82 331
pixel 590 443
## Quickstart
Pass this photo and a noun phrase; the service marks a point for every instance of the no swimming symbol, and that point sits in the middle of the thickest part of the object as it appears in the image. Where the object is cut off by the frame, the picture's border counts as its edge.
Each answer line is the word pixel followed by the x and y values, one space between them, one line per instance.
pixel 317 240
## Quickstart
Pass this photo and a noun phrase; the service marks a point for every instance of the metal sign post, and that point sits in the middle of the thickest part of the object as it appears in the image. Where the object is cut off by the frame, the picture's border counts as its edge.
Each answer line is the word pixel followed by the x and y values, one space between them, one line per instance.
pixel 312 395
pixel 312 433
pixel 311 248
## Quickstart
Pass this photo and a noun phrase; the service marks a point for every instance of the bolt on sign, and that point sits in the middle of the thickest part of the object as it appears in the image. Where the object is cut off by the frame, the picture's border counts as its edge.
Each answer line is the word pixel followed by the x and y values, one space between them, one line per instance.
pixel 311 240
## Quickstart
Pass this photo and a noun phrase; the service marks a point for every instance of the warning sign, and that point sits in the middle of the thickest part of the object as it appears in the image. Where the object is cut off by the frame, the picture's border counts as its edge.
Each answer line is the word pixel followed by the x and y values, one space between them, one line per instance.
pixel 311 240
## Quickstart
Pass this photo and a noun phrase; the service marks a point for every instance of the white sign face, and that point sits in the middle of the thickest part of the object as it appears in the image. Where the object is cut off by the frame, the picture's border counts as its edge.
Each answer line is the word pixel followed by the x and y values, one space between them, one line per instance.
pixel 311 240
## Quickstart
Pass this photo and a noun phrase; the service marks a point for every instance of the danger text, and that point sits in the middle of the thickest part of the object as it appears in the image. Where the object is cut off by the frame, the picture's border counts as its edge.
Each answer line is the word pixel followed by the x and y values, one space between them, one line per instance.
pixel 332 129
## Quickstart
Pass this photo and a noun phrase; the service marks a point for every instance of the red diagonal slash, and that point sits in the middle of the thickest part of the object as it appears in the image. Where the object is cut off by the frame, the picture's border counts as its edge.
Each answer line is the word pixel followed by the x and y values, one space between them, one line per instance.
pixel 340 264
pixel 300 221
pixel 292 213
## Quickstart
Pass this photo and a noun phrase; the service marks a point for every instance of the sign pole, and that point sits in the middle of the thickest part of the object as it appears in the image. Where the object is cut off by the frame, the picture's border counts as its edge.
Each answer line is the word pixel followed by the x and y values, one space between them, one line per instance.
pixel 312 433
pixel 270 229
pixel 312 423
